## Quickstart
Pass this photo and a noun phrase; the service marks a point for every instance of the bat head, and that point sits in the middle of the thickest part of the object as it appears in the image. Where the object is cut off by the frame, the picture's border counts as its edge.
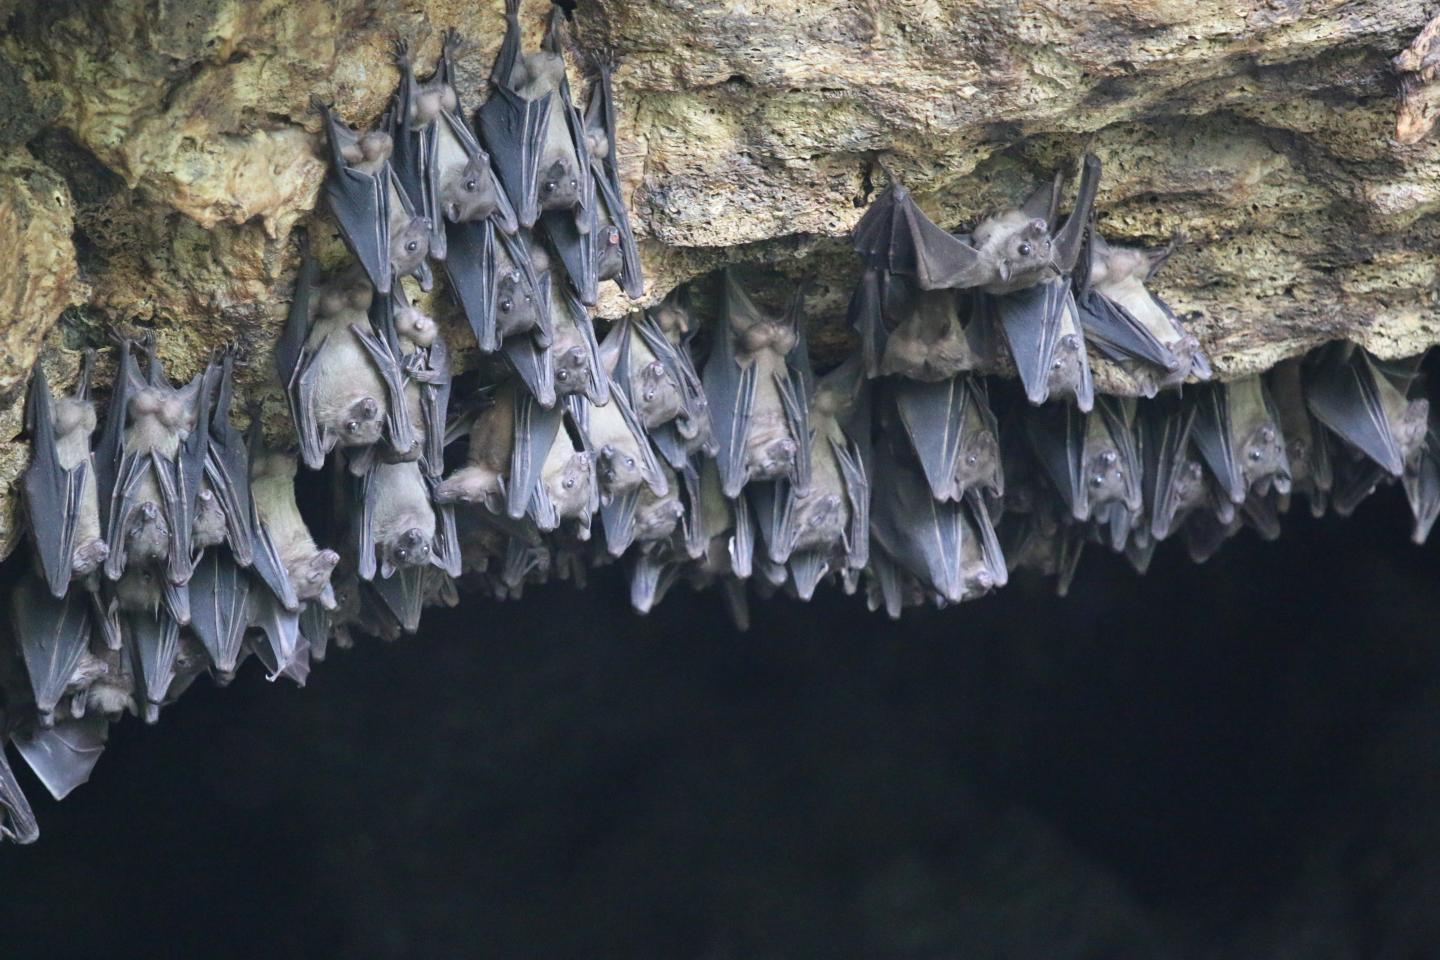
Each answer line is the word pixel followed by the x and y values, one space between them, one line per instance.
pixel 1019 247
pixel 310 575
pixel 469 193
pixel 979 462
pixel 820 520
pixel 472 485
pixel 655 395
pixel 147 534
pixel 572 368
pixel 619 470
pixel 770 457
pixel 1263 459
pixel 657 517
pixel 1067 371
pixel 570 487
pixel 609 261
pixel 559 187
pixel 409 245
pixel 415 325
pixel 516 308
pixel 361 423
pixel 410 548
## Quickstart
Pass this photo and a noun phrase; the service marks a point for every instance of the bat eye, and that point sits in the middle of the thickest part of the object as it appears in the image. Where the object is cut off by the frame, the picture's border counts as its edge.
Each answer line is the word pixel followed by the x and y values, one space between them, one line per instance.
pixel 550 186
pixel 1025 249
pixel 649 395
pixel 1255 455
pixel 572 184
pixel 1097 481
pixel 505 305
pixel 972 460
pixel 562 375
pixel 352 427
pixel 569 483
pixel 411 246
pixel 630 461
pixel 472 185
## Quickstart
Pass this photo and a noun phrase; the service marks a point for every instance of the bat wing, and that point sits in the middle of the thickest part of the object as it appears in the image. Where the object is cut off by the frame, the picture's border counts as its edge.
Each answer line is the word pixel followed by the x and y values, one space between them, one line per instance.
pixel 921 534
pixel 110 452
pixel 17 820
pixel 1070 237
pixel 64 755
pixel 445 552
pixel 574 235
pixel 596 386
pixel 795 388
pixel 1165 427
pixel 617 521
pixel 855 474
pixel 934 417
pixel 283 653
pixel 53 495
pixel 403 594
pixel 730 397
pixel 867 318
pixel 52 634
pixel 1041 324
pixel 227 467
pixel 1057 436
pixel 416 161
pixel 895 235
pixel 122 500
pixel 514 130
pixel 1422 484
pixel 435 406
pixel 153 638
pixel 219 604
pixel 772 503
pixel 1119 335
pixel 652 573
pixel 536 428
pixel 1351 398
pixel 1215 439
pixel 382 343
pixel 531 363
pixel 360 203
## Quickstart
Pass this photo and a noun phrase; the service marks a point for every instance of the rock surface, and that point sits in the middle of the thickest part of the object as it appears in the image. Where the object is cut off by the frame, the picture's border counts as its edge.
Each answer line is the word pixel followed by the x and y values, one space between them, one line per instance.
pixel 183 144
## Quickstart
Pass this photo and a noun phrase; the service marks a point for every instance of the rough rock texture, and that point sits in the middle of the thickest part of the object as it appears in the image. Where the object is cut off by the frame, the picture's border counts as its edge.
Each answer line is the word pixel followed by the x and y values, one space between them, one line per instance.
pixel 1262 130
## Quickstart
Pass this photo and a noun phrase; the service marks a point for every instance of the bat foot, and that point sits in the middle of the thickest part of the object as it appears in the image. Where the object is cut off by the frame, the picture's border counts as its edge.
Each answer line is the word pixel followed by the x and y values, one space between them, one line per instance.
pixel 88 557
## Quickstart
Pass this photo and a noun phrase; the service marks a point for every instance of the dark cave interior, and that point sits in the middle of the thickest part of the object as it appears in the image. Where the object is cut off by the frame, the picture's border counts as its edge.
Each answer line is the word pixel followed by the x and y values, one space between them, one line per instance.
pixel 1239 759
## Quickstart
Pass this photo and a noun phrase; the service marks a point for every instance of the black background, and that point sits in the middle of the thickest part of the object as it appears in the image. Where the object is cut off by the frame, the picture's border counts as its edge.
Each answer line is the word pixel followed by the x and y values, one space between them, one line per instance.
pixel 1232 760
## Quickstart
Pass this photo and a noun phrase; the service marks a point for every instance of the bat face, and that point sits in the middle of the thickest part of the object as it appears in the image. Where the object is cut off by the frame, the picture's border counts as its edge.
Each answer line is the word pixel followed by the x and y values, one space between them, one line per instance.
pixel 1018 246
pixel 409 243
pixel 657 517
pixel 559 181
pixel 569 483
pixel 516 307
pixel 609 256
pixel 469 192
pixel 656 395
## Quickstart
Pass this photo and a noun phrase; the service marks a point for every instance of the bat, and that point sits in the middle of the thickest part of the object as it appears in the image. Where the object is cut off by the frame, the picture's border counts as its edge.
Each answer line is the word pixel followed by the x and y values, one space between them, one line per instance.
pixel 414 337
pixel 17 820
pixel 484 479
pixel 410 590
pixel 1422 484
pixel 605 248
pixel 1019 261
pixel 342 373
pixel 307 568
pixel 615 437
pixel 219 610
pixel 756 393
pixel 533 130
pixel 644 516
pixel 1092 460
pixel 399 525
pixel 496 278
pixel 1238 435
pixel 53 635
pixel 1129 323
pixel 60 491
pixel 908 331
pixel 952 432
pixel 1173 480
pixel 151 635
pixel 64 755
pixel 151 459
pixel 949 548
pixel 274 637
pixel 826 527
pixel 377 221
pixel 445 172
pixel 1365 404
pixel 1307 448
pixel 574 354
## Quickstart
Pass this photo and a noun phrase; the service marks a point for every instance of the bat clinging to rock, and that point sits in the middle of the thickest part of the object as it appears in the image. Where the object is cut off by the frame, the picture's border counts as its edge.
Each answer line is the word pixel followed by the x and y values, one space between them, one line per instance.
pixel 1237 432
pixel 60 487
pixel 399 525
pixel 1364 403
pixel 307 567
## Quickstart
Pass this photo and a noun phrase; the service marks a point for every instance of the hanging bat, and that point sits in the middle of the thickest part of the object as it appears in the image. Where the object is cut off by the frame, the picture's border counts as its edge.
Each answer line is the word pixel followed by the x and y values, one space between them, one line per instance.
pixel 642 515
pixel 278 522
pixel 1018 260
pixel 1173 480
pixel 1364 403
pixel 406 594
pixel 533 130
pixel 574 354
pixel 952 432
pixel 1238 435
pixel 445 172
pixel 53 635
pixel 1129 323
pixel 826 527
pixel 414 338
pixel 64 755
pixel 61 498
pixel 151 460
pixel 375 216
pixel 273 634
pixel 342 374
pixel 17 820
pixel 908 331
pixel 1422 484
pixel 151 636
pixel 659 380
pixel 950 548
pixel 1092 461
pixel 484 480
pixel 616 439
pixel 399 525
pixel 1306 447
pixel 755 389
pixel 606 250
pixel 496 278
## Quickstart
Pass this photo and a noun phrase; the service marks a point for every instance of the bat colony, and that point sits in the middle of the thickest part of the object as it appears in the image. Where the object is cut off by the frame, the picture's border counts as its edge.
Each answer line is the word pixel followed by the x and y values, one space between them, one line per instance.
pixel 174 545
